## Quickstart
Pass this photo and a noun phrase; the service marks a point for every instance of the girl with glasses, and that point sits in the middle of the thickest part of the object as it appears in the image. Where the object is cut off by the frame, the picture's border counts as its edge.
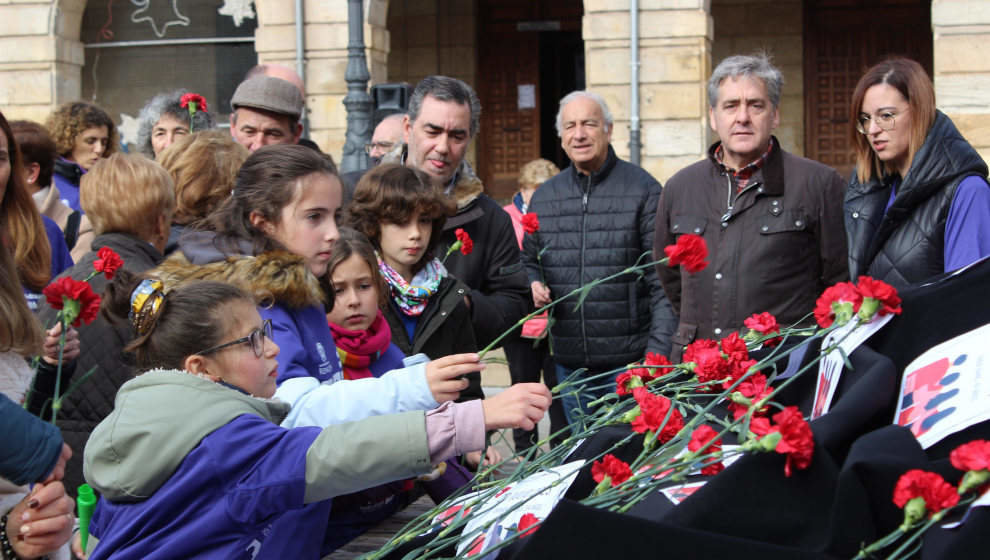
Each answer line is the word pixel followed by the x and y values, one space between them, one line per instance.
pixel 192 462
pixel 918 203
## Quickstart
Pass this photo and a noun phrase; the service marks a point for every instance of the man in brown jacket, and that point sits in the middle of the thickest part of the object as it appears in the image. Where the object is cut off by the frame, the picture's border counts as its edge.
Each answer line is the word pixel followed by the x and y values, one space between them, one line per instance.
pixel 772 220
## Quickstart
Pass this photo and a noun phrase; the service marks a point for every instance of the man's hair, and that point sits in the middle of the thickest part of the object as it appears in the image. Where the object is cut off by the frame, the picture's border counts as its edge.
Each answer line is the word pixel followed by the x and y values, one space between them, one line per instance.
pixel 445 88
pixel 754 66
pixel 127 193
pixel 606 114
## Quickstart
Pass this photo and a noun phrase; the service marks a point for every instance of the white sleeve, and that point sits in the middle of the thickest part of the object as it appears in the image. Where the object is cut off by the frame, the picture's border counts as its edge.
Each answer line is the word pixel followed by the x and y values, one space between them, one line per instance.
pixel 321 405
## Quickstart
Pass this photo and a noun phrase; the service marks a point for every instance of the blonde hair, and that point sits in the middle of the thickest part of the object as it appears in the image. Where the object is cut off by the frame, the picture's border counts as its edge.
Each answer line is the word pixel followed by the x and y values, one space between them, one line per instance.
pixel 20 331
pixel 127 193
pixel 204 167
pixel 536 172
pixel 910 79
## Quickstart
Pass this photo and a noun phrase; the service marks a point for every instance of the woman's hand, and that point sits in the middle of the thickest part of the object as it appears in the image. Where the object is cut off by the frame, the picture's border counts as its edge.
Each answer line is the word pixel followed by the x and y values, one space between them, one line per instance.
pixel 42 522
pixel 519 406
pixel 444 376
pixel 52 336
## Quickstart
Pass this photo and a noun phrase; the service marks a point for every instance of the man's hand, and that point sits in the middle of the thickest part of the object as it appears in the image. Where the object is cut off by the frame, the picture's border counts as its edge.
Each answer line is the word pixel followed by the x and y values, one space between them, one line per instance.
pixel 42 522
pixel 444 376
pixel 541 294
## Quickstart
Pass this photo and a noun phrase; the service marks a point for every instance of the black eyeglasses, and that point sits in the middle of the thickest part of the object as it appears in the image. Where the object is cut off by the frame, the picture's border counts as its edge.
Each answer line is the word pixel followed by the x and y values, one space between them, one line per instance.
pixel 256 339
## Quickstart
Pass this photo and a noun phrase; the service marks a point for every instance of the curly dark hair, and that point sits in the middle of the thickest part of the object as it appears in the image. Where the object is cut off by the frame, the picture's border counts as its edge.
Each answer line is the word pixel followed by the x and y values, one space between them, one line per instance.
pixel 391 194
pixel 71 119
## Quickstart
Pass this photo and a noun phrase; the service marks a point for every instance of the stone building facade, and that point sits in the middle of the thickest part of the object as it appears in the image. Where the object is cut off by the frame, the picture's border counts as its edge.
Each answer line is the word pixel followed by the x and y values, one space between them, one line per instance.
pixel 42 61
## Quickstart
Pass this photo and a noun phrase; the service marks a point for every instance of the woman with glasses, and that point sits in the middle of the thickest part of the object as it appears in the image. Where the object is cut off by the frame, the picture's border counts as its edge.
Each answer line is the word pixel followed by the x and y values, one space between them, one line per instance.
pixel 918 203
pixel 130 200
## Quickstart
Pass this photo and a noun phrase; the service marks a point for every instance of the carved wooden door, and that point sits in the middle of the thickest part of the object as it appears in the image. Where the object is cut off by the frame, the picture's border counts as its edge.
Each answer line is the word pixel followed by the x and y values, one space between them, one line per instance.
pixel 842 39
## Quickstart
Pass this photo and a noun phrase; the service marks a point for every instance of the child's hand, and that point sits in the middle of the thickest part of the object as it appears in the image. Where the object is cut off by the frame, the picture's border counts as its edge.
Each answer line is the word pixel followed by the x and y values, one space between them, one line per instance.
pixel 519 406
pixel 77 546
pixel 52 337
pixel 41 522
pixel 444 375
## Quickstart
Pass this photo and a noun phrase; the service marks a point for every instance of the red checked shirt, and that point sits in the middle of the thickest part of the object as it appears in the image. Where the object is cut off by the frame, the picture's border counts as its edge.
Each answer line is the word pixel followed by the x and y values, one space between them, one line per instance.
pixel 741 177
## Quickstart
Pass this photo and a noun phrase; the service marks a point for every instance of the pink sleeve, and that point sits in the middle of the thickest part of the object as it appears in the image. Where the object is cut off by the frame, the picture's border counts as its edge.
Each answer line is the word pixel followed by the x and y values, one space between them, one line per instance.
pixel 454 429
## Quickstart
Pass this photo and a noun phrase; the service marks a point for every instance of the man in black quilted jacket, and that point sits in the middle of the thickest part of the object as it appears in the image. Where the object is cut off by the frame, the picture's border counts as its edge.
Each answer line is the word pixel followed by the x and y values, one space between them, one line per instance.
pixel 596 219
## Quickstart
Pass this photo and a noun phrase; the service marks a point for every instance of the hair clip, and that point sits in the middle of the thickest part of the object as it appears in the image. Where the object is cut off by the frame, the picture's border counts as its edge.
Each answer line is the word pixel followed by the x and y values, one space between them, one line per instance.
pixel 146 302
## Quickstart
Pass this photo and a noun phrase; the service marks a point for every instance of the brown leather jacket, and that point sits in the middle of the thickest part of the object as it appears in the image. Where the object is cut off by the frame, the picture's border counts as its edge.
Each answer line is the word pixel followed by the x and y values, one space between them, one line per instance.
pixel 773 247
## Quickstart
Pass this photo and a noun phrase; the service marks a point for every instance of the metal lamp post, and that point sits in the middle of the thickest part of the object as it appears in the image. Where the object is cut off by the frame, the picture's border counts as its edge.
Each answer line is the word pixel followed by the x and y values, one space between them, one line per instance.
pixel 357 101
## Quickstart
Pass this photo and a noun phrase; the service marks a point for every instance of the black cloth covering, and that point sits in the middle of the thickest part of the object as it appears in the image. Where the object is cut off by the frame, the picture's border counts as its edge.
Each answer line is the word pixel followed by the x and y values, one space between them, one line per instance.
pixel 840 503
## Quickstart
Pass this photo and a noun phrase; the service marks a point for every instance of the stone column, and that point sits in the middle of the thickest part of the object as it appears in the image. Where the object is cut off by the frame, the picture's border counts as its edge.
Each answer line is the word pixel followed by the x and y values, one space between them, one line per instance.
pixel 962 68
pixel 675 44
pixel 41 57
pixel 325 44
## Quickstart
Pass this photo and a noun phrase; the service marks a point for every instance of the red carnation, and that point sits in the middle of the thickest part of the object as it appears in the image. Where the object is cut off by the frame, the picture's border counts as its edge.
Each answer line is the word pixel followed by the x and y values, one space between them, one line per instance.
pixel 916 483
pixel 467 245
pixel 710 366
pixel 644 374
pixel 695 348
pixel 754 388
pixel 653 412
pixel 735 347
pixel 699 438
pixel 972 456
pixel 76 299
pixel 199 100
pixel 108 262
pixel 797 440
pixel 690 251
pixel 530 223
pixel 837 303
pixel 765 324
pixel 626 381
pixel 760 426
pixel 737 369
pixel 613 467
pixel 878 297
pixel 528 524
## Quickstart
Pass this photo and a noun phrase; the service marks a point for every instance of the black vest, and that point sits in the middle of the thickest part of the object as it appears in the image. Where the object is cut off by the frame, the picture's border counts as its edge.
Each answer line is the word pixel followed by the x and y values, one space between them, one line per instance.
pixel 906 244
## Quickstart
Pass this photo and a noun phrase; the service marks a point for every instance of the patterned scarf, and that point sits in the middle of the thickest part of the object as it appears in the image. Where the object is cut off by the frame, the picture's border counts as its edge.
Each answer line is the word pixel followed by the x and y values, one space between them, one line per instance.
pixel 411 297
pixel 359 349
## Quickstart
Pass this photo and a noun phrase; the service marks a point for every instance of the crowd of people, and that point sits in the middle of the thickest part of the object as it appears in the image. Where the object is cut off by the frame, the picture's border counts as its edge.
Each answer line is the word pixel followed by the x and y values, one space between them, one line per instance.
pixel 288 355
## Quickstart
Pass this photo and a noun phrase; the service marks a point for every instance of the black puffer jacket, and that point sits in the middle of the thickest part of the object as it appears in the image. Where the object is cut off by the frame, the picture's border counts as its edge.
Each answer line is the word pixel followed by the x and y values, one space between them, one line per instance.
pixel 101 346
pixel 592 227
pixel 906 244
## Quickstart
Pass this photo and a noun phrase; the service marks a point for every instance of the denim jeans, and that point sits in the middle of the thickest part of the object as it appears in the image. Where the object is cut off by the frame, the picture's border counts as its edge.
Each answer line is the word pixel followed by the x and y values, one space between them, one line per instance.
pixel 578 400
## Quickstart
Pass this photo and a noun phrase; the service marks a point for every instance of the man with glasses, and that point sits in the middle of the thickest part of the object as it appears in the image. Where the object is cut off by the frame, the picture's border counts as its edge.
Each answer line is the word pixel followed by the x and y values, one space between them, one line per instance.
pixel 387 135
pixel 772 221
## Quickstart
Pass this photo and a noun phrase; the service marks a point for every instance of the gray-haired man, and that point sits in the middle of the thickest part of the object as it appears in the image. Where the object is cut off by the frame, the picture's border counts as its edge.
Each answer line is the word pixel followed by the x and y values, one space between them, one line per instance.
pixel 772 220
pixel 596 219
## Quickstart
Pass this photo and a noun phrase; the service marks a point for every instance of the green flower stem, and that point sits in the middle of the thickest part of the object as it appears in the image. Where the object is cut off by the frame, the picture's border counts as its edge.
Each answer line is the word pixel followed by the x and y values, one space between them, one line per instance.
pixel 56 397
pixel 576 291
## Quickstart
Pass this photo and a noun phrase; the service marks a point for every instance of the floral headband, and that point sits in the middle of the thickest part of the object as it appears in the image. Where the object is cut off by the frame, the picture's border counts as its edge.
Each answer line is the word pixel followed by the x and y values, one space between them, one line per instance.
pixel 146 302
